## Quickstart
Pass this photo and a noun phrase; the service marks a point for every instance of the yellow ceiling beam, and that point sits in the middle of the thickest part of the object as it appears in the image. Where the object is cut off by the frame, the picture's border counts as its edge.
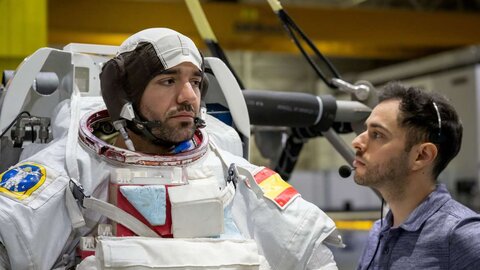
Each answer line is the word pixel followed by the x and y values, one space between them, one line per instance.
pixel 23 29
pixel 337 32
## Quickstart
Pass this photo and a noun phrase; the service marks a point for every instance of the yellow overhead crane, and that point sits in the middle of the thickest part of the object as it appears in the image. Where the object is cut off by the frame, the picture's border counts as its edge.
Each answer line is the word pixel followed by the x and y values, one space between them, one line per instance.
pixel 363 33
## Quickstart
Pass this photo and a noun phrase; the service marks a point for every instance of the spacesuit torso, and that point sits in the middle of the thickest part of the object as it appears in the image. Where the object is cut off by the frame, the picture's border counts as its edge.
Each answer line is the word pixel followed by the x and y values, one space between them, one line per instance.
pixel 203 197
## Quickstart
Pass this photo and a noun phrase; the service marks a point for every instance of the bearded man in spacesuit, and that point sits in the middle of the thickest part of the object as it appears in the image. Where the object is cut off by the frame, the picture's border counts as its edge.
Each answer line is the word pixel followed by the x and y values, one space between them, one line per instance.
pixel 173 198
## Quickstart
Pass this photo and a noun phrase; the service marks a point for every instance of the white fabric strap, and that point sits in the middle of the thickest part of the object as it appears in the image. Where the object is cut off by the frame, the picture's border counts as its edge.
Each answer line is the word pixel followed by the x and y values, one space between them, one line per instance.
pixel 227 194
pixel 250 181
pixel 118 215
pixel 217 151
pixel 72 136
pixel 177 253
pixel 229 191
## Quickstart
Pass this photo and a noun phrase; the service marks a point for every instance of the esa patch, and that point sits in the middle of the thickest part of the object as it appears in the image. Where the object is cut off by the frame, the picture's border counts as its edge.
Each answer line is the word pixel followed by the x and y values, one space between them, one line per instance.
pixel 22 180
pixel 275 188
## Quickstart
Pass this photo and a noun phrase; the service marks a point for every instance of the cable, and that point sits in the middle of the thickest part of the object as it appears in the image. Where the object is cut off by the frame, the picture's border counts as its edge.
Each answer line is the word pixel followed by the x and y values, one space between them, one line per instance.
pixel 381 213
pixel 294 143
pixel 13 122
pixel 293 30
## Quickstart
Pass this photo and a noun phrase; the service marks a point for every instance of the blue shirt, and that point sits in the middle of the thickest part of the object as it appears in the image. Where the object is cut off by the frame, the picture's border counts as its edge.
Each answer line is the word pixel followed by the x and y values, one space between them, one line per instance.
pixel 440 233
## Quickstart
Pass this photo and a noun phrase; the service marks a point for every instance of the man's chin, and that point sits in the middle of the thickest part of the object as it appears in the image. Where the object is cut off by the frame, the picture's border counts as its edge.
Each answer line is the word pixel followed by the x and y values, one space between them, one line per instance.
pixel 184 134
pixel 359 180
pixel 174 135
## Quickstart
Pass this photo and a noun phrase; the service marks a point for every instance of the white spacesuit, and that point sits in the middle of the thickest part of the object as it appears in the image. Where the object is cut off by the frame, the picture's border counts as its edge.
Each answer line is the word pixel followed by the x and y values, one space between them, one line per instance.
pixel 222 211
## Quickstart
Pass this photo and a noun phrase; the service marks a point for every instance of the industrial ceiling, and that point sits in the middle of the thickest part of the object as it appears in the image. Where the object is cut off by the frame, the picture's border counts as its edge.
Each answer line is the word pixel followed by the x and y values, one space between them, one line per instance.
pixel 388 30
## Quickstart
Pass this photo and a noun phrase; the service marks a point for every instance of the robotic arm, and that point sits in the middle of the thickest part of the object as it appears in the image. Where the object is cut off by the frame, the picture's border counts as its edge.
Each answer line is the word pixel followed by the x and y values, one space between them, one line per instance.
pixel 308 116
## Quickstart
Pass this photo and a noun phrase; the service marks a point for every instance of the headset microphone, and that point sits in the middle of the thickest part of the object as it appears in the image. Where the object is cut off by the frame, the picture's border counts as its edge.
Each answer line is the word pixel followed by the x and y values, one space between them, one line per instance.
pixel 345 171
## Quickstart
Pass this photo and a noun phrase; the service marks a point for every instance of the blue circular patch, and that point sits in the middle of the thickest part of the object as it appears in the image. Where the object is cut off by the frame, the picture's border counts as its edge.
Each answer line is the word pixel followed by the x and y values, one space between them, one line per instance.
pixel 21 178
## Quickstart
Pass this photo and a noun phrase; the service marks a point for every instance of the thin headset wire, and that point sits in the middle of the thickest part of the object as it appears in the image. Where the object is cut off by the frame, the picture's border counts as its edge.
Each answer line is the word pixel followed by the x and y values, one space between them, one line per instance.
pixel 438 118
pixel 381 213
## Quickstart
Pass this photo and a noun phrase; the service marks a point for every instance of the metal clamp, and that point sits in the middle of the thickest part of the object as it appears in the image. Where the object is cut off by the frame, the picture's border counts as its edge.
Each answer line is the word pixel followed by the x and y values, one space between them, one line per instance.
pixel 361 90
pixel 232 176
pixel 78 191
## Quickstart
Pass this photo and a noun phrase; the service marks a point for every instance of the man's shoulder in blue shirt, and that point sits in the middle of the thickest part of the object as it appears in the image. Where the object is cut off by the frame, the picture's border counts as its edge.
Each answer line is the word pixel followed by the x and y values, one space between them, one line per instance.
pixel 440 233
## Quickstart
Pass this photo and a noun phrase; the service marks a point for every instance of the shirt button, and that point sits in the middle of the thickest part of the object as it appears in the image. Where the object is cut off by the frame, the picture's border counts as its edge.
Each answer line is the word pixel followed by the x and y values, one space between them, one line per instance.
pixel 386 250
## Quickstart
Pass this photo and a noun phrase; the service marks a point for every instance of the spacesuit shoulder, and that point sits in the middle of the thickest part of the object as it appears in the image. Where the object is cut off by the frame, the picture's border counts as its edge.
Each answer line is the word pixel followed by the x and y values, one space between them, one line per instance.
pixel 35 224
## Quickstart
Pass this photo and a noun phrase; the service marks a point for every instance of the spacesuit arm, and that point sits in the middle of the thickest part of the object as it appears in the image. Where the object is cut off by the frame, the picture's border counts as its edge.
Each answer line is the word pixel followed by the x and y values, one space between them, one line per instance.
pixel 289 235
pixel 321 258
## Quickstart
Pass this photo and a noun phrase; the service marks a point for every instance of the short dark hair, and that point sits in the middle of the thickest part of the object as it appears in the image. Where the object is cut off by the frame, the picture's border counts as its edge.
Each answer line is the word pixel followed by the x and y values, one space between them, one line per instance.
pixel 419 116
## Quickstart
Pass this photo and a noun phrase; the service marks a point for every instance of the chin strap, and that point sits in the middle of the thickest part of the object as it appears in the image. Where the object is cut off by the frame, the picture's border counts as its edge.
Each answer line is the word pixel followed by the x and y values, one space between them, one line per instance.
pixel 200 121
pixel 145 128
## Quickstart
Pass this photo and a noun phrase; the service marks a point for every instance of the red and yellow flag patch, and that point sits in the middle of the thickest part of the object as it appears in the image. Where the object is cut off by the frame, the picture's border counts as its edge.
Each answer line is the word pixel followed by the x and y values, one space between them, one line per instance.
pixel 275 188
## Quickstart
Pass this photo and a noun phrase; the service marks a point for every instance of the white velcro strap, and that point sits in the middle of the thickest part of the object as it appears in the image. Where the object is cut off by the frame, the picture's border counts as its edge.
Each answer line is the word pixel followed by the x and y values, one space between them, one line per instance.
pixel 118 215
pixel 176 253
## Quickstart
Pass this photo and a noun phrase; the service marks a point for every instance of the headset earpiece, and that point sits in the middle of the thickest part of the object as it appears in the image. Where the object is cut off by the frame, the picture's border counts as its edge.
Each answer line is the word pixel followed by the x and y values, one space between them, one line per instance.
pixel 436 134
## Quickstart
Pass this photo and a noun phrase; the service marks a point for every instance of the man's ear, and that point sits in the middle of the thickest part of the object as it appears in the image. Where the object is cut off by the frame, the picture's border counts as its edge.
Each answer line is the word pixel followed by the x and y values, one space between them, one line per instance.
pixel 424 155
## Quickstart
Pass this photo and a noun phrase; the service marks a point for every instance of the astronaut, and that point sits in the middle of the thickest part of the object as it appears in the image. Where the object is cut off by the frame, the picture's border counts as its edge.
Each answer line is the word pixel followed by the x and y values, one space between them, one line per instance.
pixel 152 166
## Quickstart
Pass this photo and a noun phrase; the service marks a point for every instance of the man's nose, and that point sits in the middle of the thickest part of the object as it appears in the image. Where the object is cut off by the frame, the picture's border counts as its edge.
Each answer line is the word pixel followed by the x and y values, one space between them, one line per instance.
pixel 359 143
pixel 187 93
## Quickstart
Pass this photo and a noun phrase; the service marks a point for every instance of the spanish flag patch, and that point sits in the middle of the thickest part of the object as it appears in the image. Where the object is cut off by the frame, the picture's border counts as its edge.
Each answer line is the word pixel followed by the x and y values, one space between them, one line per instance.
pixel 275 188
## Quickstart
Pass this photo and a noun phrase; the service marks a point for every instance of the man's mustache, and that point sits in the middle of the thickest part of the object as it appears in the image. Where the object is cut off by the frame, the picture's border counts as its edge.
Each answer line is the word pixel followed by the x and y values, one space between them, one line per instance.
pixel 185 107
pixel 181 108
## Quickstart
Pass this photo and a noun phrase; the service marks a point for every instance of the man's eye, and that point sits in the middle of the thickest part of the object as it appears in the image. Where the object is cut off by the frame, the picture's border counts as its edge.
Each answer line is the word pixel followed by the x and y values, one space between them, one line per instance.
pixel 376 135
pixel 195 83
pixel 167 81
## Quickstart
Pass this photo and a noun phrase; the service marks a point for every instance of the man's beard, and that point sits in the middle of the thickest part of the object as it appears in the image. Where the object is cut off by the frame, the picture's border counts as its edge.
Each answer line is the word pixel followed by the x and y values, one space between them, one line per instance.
pixel 172 135
pixel 391 173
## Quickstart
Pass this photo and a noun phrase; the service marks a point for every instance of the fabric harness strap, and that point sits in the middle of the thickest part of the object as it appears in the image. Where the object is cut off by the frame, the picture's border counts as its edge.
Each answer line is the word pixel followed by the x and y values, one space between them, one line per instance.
pixel 108 210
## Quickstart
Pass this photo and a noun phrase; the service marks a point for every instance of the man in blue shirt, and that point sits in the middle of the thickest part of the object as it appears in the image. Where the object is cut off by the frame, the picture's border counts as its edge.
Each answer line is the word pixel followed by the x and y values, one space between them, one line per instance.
pixel 410 138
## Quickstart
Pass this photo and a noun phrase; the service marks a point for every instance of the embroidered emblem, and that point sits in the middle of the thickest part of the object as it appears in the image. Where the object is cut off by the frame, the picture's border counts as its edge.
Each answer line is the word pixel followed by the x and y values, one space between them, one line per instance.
pixel 275 188
pixel 21 181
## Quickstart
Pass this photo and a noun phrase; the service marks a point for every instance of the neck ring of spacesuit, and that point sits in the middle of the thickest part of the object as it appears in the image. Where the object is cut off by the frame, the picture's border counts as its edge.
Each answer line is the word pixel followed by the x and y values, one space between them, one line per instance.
pixel 123 156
